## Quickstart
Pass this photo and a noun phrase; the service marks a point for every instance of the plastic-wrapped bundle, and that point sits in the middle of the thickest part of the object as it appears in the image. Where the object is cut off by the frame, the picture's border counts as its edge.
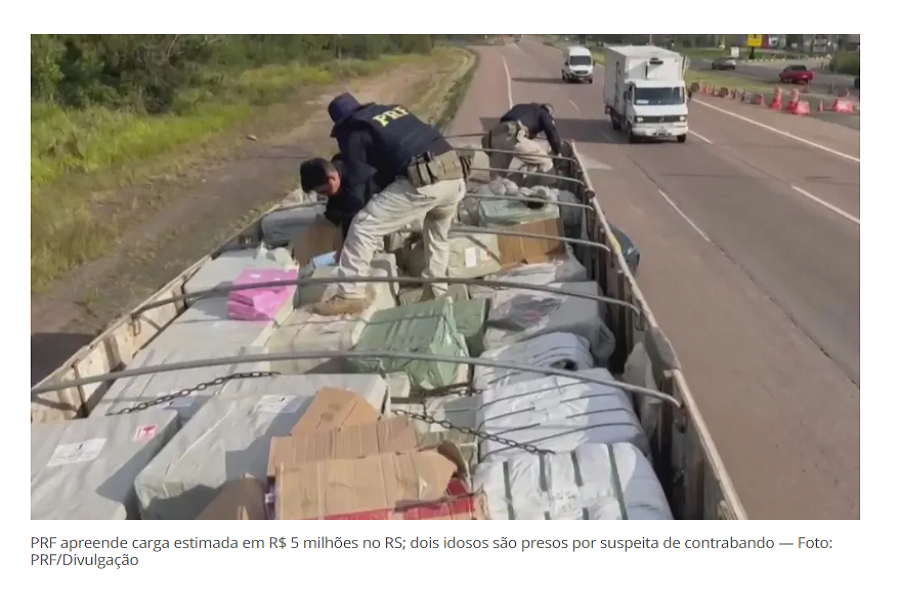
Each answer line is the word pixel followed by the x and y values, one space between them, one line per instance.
pixel 281 227
pixel 556 350
pixel 227 267
pixel 591 482
pixel 518 314
pixel 558 414
pixel 84 469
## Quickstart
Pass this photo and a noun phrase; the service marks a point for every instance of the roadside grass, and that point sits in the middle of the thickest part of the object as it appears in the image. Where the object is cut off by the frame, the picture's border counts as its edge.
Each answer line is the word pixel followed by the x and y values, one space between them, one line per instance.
pixel 79 158
pixel 720 79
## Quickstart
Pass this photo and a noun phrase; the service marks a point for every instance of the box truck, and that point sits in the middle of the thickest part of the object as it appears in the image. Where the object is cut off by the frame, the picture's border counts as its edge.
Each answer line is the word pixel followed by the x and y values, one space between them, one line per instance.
pixel 645 92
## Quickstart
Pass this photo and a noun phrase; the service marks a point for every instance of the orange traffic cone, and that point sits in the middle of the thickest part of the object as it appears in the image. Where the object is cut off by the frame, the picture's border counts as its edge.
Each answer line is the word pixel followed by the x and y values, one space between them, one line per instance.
pixel 801 108
pixel 821 106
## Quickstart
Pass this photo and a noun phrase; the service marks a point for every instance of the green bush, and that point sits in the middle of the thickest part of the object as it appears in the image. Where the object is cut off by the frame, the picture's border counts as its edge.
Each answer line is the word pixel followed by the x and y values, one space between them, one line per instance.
pixel 845 63
pixel 148 73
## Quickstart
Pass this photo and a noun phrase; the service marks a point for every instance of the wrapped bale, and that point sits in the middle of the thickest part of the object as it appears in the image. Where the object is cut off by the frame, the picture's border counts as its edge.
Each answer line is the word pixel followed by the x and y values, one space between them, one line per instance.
pixel 470 317
pixel 425 327
pixel 557 414
pixel 384 294
pixel 84 469
pixel 540 274
pixel 281 227
pixel 517 314
pixel 372 388
pixel 554 350
pixel 128 392
pixel 592 482
pixel 306 331
pixel 504 213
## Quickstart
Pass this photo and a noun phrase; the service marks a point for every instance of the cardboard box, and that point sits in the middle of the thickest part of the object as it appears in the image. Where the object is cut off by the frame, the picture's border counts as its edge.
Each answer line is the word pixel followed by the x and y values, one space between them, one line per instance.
pixel 319 238
pixel 238 500
pixel 396 434
pixel 515 251
pixel 335 408
pixel 418 484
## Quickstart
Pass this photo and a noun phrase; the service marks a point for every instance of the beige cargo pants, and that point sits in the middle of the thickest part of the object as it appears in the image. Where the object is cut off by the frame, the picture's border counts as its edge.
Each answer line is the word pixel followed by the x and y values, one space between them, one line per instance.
pixel 391 210
pixel 512 136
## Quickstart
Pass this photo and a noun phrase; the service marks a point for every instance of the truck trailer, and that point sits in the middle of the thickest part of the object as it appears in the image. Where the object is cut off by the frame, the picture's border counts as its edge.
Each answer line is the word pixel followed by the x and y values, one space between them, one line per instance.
pixel 645 92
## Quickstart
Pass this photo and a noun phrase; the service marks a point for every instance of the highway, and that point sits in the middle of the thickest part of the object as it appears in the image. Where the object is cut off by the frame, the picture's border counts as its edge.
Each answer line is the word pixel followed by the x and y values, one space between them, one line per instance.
pixel 750 262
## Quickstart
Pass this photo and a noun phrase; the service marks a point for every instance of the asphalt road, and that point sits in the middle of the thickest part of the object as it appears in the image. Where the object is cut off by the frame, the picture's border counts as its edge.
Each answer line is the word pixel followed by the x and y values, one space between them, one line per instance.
pixel 767 72
pixel 750 261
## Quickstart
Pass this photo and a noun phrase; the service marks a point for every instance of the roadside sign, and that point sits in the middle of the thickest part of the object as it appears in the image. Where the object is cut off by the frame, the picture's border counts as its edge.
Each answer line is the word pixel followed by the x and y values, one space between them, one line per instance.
pixel 755 41
pixel 735 51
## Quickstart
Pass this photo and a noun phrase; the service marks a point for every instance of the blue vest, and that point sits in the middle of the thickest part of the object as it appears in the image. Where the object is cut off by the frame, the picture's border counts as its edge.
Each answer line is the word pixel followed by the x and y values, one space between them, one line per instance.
pixel 399 135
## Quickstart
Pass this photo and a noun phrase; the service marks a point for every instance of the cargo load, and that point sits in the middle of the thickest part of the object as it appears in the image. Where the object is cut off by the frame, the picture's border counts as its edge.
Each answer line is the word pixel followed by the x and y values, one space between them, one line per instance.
pixel 134 390
pixel 371 388
pixel 282 226
pixel 470 317
pixel 471 255
pixel 600 482
pixel 261 303
pixel 228 266
pixel 563 269
pixel 425 327
pixel 306 331
pixel 413 295
pixel 555 350
pixel 383 265
pixel 557 414
pixel 518 314
pixel 207 323
pixel 85 468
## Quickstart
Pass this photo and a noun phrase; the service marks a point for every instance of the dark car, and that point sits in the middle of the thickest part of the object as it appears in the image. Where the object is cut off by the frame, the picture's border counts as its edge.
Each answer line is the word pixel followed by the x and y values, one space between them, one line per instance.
pixel 796 74
pixel 724 63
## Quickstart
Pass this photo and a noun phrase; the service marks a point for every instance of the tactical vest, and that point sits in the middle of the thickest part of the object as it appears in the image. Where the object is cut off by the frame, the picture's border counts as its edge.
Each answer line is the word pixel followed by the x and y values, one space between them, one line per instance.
pixel 399 135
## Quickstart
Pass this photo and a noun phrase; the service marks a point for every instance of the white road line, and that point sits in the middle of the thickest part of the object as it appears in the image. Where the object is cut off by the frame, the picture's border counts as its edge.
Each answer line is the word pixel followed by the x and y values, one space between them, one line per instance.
pixel 776 131
pixel 827 205
pixel 685 217
pixel 508 83
pixel 575 105
pixel 700 136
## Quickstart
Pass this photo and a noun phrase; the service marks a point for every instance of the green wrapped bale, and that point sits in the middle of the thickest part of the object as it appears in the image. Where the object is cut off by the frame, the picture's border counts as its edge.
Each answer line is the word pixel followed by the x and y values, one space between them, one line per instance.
pixel 424 327
pixel 470 316
pixel 412 295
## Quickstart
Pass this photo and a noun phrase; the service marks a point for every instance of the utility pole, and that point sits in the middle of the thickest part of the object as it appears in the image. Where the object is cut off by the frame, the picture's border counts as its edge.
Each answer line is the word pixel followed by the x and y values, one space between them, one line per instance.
pixel 650 39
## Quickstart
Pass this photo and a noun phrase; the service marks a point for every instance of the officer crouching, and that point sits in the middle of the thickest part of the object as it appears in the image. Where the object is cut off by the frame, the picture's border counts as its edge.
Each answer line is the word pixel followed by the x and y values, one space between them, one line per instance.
pixel 422 178
pixel 516 132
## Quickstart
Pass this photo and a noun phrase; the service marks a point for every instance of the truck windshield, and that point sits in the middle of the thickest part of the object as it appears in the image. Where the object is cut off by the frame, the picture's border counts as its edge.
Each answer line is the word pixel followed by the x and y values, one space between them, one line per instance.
pixel 580 60
pixel 659 96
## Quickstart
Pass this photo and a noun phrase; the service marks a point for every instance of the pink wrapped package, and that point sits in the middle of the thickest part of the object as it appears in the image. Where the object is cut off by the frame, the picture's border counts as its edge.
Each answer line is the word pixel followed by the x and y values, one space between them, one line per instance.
pixel 261 303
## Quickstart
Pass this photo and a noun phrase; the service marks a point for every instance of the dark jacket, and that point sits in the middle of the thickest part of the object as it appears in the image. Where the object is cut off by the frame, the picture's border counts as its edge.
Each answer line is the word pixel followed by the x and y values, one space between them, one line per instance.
pixel 358 185
pixel 536 119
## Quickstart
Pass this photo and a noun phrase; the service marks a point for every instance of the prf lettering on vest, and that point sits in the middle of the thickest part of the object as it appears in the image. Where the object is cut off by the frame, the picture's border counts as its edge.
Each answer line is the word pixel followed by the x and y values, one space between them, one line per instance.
pixel 391 115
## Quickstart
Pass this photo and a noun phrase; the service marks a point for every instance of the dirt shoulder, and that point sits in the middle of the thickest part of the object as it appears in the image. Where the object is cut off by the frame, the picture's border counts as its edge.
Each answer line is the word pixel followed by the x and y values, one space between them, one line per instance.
pixel 182 217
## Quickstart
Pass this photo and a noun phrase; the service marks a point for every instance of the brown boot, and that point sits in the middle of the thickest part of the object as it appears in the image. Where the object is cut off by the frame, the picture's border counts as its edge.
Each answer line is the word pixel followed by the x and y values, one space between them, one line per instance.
pixel 339 305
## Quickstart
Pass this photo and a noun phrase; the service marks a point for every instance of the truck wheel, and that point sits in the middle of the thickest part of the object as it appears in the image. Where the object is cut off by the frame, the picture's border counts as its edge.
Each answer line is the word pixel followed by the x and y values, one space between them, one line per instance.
pixel 682 138
pixel 632 138
pixel 591 81
pixel 615 124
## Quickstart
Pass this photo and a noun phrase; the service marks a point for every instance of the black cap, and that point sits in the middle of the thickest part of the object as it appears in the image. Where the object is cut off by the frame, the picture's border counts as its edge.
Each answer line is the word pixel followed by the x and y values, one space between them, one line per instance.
pixel 314 173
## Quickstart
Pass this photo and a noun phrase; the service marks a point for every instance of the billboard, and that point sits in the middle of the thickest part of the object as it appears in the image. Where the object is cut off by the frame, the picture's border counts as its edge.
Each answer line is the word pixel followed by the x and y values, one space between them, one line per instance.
pixel 755 41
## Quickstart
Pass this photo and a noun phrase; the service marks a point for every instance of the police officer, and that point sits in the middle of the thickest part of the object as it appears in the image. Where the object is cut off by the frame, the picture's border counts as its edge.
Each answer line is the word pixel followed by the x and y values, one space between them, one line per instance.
pixel 422 178
pixel 346 188
pixel 516 132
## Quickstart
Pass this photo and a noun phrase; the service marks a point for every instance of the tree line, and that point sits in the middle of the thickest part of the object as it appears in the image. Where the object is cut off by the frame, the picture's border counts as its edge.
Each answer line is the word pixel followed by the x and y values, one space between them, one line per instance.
pixel 146 72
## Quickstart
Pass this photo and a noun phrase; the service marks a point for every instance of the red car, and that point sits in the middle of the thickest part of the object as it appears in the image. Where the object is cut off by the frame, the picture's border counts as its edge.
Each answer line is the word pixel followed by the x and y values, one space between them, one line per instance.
pixel 796 74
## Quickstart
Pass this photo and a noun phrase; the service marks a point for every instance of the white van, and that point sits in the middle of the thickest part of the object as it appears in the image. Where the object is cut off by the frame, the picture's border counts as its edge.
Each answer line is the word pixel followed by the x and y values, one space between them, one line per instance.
pixel 579 65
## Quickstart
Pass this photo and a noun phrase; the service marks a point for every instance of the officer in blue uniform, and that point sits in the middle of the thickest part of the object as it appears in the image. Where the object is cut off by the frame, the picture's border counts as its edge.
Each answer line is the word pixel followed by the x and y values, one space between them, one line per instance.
pixel 516 132
pixel 421 177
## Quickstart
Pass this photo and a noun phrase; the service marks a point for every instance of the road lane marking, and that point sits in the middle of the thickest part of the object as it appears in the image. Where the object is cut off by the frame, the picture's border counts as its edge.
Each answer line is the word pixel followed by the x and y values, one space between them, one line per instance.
pixel 575 105
pixel 683 216
pixel 508 83
pixel 827 205
pixel 776 131
pixel 700 136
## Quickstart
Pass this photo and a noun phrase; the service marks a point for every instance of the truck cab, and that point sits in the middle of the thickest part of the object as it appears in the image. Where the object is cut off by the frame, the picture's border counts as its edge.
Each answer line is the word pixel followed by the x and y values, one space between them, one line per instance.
pixel 579 65
pixel 645 92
